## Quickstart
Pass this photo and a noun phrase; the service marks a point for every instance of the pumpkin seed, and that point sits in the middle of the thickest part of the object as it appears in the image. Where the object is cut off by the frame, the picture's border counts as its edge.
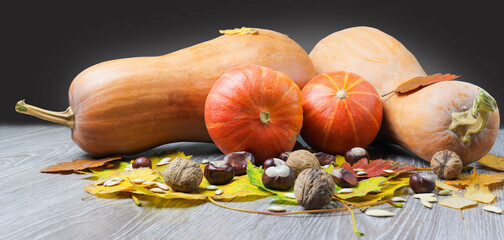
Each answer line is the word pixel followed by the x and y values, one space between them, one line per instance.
pixel 219 192
pixel 361 173
pixel 100 181
pixel 149 184
pixel 138 181
pixel 211 187
pixel 276 209
pixel 157 190
pixel 388 171
pixel 494 209
pixel 378 213
pixel 120 179
pixel 426 203
pixel 163 186
pixel 205 161
pixel 445 192
pixel 110 183
pixel 290 195
pixel 345 190
pixel 164 161
pixel 358 169
pixel 420 195
pixel 398 199
pixel 430 199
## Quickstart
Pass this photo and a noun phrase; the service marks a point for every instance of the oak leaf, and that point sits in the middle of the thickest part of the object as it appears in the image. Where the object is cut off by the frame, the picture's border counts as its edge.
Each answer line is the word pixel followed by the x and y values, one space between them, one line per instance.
pixel 492 161
pixel 79 165
pixel 422 81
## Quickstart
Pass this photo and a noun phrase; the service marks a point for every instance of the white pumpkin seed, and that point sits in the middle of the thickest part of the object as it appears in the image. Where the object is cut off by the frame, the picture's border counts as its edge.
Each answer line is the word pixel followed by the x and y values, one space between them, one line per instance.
pixel 128 168
pixel 388 171
pixel 119 179
pixel 430 199
pixel 290 195
pixel 445 192
pixel 494 209
pixel 325 166
pixel 421 195
pixel 211 187
pixel 205 161
pixel 219 192
pixel 163 186
pixel 100 181
pixel 110 183
pixel 426 203
pixel 358 169
pixel 379 213
pixel 157 190
pixel 138 181
pixel 361 173
pixel 398 199
pixel 345 190
pixel 149 184
pixel 164 161
pixel 276 209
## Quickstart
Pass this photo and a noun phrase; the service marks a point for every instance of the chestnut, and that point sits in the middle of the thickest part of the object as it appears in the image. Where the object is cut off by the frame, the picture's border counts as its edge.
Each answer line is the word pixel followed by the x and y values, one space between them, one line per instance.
pixel 142 162
pixel 421 184
pixel 344 178
pixel 324 158
pixel 355 154
pixel 271 162
pixel 219 172
pixel 279 177
pixel 284 156
pixel 238 161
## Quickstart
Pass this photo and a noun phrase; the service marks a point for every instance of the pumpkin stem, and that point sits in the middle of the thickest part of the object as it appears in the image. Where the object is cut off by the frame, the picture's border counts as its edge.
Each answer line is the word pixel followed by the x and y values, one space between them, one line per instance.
pixel 468 124
pixel 264 117
pixel 341 94
pixel 65 118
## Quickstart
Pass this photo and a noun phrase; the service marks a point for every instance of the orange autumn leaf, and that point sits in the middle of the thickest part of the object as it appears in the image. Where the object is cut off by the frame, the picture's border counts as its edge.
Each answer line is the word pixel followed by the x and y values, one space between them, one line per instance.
pixel 477 191
pixel 492 161
pixel 422 81
pixel 79 165
pixel 464 180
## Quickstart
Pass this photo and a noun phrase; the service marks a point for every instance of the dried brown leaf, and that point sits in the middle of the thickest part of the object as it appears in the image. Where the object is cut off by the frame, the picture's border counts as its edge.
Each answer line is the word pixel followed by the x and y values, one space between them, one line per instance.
pixel 79 165
pixel 422 81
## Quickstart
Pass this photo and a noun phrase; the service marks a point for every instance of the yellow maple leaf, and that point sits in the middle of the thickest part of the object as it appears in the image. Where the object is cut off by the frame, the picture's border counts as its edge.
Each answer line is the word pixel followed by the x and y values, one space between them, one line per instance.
pixel 486 179
pixel 457 202
pixel 492 161
pixel 98 187
pixel 443 185
pixel 477 191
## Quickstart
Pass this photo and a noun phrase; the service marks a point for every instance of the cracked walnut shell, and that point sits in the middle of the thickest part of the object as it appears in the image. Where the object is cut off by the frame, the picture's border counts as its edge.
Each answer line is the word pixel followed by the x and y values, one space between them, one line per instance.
pixel 183 175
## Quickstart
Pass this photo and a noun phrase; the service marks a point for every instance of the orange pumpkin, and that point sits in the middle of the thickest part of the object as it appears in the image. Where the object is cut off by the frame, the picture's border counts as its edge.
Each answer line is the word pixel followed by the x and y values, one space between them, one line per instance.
pixel 254 109
pixel 341 111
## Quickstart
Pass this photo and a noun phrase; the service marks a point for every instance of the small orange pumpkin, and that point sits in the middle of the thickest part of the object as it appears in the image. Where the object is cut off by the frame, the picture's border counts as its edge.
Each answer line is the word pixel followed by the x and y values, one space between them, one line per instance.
pixel 341 111
pixel 254 109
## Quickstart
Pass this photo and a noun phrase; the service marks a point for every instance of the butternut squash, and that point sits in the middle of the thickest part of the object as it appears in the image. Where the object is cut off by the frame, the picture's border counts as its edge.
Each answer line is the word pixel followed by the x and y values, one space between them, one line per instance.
pixel 127 106
pixel 452 115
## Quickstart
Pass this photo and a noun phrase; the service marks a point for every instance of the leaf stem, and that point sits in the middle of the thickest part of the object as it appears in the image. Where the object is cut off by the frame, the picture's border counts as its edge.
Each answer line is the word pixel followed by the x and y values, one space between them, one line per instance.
pixel 357 232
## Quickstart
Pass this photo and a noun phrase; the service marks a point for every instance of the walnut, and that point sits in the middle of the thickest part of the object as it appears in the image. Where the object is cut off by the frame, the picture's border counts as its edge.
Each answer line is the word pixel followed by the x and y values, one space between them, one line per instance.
pixel 446 164
pixel 314 188
pixel 300 160
pixel 183 175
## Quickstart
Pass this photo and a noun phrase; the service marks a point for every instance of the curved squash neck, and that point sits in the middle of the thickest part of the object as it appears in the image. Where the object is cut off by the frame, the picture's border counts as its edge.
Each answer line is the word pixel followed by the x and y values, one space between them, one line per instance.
pixel 469 123
pixel 65 118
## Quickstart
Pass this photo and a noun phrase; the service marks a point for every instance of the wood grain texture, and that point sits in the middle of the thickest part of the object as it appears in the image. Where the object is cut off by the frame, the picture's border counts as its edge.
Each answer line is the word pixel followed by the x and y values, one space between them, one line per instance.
pixel 50 206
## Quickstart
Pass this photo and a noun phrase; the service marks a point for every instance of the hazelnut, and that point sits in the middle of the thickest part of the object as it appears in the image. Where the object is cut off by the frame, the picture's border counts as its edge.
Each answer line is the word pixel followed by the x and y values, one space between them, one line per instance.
pixel 344 178
pixel 314 188
pixel 446 164
pixel 300 160
pixel 142 162
pixel 279 176
pixel 355 154
pixel 219 172
pixel 183 175
pixel 238 161
pixel 421 184
pixel 324 158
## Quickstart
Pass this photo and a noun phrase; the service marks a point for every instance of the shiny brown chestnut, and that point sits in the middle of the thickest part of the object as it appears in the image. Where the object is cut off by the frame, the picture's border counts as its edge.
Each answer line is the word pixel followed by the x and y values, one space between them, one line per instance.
pixel 142 162
pixel 219 172
pixel 420 184
pixel 284 156
pixel 344 178
pixel 238 161
pixel 271 162
pixel 324 158
pixel 355 154
pixel 279 177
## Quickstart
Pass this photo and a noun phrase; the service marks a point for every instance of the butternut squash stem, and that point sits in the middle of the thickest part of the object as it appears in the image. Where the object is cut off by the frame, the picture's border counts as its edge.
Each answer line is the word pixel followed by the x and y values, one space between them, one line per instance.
pixel 468 124
pixel 65 118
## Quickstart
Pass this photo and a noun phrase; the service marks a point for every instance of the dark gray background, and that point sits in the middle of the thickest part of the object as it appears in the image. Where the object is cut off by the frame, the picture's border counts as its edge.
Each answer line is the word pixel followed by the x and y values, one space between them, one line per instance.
pixel 45 45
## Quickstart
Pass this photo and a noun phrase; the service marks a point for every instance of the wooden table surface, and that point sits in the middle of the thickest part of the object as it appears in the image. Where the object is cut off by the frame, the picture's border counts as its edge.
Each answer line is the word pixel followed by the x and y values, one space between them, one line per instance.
pixel 35 205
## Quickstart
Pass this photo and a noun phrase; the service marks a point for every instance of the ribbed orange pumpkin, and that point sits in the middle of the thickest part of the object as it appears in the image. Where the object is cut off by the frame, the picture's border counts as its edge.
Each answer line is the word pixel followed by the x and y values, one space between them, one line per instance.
pixel 341 111
pixel 254 109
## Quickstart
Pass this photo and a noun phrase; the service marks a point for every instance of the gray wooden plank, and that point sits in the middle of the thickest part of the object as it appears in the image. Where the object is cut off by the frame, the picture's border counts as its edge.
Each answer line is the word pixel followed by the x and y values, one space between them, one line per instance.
pixel 50 206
